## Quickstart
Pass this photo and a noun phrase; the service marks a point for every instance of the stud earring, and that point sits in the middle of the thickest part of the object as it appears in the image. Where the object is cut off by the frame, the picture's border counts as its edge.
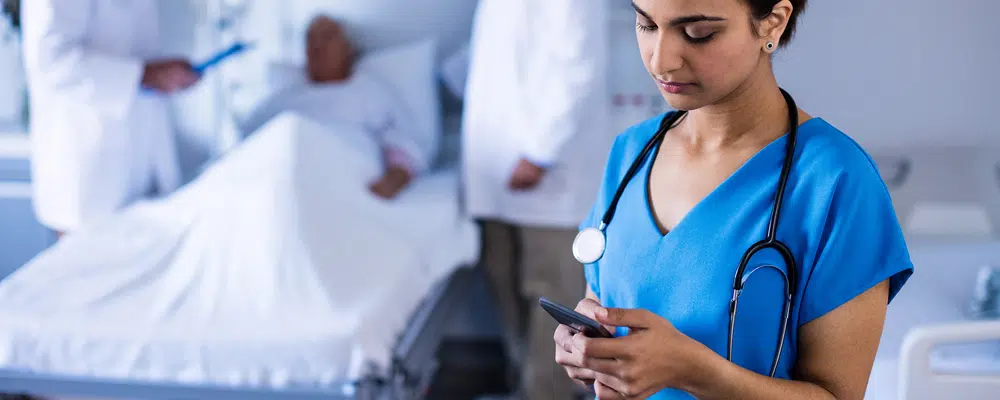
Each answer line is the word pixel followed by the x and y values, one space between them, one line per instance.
pixel 770 46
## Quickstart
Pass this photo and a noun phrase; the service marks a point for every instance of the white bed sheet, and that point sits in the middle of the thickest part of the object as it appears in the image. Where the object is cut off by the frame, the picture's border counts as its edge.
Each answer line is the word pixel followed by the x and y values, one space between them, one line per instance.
pixel 275 268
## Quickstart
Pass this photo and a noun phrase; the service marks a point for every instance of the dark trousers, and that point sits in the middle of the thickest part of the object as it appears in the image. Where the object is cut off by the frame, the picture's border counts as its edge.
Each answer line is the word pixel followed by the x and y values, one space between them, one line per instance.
pixel 523 264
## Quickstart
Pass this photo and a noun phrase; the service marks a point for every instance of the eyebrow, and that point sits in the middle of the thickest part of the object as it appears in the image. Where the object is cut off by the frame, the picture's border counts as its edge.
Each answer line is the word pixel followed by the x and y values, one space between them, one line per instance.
pixel 680 20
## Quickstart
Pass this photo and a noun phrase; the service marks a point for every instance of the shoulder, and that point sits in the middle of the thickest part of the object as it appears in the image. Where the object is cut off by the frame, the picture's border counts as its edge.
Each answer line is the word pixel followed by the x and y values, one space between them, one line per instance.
pixel 830 158
pixel 631 141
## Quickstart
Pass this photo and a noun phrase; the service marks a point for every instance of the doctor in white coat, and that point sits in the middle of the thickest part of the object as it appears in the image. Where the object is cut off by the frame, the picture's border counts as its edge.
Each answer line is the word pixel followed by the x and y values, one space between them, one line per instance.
pixel 99 141
pixel 535 136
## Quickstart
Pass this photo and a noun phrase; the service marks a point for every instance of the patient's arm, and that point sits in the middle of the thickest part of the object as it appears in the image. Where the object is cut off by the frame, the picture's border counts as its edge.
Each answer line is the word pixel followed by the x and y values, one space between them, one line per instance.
pixel 393 181
pixel 398 174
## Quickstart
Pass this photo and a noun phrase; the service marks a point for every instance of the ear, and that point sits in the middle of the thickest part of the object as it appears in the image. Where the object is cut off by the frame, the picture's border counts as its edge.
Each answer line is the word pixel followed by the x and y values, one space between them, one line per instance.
pixel 773 26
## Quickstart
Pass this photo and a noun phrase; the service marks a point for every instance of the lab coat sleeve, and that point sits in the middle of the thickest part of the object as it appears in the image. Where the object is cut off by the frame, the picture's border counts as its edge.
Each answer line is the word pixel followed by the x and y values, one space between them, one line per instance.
pixel 55 40
pixel 565 72
pixel 860 244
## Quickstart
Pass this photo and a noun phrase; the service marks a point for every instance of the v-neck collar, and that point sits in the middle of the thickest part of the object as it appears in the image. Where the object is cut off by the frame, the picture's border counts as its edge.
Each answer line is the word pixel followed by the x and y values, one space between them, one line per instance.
pixel 777 144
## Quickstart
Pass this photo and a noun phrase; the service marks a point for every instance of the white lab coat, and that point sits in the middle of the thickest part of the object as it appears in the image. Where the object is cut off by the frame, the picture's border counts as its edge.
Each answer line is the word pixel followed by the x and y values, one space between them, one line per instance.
pixel 536 89
pixel 98 144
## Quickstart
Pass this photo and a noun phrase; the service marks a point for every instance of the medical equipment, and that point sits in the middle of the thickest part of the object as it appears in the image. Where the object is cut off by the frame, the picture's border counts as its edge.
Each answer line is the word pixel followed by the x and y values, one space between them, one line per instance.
pixel 590 243
pixel 985 302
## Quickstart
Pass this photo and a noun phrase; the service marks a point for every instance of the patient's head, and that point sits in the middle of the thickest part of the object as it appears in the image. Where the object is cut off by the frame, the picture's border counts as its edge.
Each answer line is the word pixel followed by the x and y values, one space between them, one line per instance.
pixel 329 53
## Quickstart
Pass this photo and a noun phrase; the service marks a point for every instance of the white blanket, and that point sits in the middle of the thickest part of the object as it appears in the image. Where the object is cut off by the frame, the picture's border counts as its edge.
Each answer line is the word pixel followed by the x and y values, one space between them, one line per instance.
pixel 276 267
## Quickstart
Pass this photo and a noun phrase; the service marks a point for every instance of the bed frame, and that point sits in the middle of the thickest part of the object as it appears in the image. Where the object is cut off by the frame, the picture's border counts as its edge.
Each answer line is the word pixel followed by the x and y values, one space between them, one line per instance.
pixel 413 368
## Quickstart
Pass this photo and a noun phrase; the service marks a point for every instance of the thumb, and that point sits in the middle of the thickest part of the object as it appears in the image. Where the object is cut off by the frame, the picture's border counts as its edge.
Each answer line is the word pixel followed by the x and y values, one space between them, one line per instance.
pixel 623 317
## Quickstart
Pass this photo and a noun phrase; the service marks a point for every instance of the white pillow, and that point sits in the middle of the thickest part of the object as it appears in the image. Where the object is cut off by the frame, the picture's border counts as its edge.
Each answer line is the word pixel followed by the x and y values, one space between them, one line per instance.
pixel 410 71
pixel 284 74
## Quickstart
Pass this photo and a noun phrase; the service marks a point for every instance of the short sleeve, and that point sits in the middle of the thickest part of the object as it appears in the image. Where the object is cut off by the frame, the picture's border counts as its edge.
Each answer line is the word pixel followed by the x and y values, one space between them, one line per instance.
pixel 861 245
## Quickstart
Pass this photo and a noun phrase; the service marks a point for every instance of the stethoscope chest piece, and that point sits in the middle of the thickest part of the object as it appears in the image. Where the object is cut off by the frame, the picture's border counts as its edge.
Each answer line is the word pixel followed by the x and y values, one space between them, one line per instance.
pixel 589 245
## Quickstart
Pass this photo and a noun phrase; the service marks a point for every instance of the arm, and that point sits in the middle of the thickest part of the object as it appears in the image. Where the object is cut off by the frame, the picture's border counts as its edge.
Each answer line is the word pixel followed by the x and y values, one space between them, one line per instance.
pixel 567 68
pixel 836 353
pixel 59 59
pixel 404 158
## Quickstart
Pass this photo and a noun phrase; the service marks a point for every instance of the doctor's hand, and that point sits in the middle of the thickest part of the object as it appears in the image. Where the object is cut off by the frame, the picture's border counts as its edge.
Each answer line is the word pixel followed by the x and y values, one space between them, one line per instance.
pixel 526 176
pixel 653 356
pixel 567 355
pixel 169 76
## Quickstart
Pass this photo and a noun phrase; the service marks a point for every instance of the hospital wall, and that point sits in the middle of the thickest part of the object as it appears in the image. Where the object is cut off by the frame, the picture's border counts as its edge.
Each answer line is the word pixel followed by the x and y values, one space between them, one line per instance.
pixel 916 77
pixel 907 79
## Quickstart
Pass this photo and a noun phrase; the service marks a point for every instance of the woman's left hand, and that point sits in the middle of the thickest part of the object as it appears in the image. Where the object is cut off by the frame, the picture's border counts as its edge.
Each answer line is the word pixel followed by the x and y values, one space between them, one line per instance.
pixel 652 357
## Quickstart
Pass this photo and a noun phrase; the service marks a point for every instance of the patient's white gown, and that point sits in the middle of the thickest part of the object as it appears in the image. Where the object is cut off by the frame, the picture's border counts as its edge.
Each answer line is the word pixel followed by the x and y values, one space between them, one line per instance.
pixel 276 267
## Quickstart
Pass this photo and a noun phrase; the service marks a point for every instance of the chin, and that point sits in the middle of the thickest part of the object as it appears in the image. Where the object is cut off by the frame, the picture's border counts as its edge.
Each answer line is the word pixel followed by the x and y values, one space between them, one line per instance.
pixel 683 102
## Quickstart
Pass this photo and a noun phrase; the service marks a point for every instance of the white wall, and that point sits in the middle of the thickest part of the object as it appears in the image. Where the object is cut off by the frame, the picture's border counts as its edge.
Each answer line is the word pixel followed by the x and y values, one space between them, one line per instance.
pixel 899 72
pixel 890 73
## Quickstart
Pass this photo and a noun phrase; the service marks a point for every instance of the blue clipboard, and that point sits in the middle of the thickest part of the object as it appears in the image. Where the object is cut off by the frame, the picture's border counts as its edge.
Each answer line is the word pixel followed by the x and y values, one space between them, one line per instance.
pixel 216 59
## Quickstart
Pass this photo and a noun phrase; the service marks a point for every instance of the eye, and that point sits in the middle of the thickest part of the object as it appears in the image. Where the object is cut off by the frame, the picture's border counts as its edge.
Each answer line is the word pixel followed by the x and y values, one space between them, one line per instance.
pixel 698 35
pixel 644 25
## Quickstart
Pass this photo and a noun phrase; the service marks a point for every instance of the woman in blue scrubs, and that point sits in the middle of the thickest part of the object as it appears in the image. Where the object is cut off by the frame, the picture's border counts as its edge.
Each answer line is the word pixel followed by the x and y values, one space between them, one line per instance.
pixel 703 196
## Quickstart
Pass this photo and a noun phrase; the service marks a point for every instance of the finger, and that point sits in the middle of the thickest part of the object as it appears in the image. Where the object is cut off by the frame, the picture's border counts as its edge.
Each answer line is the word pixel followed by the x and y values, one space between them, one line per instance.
pixel 580 374
pixel 587 307
pixel 604 392
pixel 599 347
pixel 563 338
pixel 614 383
pixel 569 358
pixel 607 366
pixel 625 317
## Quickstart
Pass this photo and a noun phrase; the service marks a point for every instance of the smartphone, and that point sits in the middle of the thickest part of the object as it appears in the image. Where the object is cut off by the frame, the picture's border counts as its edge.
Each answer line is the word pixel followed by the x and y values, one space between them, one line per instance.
pixel 574 320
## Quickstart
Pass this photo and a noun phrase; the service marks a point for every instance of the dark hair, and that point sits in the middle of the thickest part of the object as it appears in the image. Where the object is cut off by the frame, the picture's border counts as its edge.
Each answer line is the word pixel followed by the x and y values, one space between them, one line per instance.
pixel 760 9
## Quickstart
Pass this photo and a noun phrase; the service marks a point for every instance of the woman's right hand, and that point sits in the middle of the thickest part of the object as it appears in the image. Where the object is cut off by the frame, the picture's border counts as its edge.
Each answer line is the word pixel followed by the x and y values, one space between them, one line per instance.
pixel 566 353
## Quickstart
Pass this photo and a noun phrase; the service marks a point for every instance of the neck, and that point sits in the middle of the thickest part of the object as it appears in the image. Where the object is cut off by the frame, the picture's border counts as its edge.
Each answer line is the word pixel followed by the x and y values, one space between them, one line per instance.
pixel 753 113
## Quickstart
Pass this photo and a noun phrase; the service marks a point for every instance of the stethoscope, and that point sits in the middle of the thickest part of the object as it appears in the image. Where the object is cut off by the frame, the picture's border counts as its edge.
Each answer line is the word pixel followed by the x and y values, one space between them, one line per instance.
pixel 590 243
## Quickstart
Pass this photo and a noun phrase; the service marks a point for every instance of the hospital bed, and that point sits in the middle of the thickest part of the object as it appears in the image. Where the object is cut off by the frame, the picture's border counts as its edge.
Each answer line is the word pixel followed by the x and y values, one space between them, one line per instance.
pixel 397 354
pixel 933 346
pixel 454 308
pixel 929 338
pixel 414 336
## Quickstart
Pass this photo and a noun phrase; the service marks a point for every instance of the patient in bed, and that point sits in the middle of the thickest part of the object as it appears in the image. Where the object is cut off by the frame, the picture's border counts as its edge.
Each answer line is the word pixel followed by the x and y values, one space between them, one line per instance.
pixel 333 92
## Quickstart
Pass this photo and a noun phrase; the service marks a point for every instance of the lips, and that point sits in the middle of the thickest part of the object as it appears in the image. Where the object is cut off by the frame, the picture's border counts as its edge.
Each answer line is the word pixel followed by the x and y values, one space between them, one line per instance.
pixel 674 87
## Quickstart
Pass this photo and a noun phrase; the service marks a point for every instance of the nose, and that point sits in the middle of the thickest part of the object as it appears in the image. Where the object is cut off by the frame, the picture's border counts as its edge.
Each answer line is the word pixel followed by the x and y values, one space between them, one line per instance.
pixel 665 56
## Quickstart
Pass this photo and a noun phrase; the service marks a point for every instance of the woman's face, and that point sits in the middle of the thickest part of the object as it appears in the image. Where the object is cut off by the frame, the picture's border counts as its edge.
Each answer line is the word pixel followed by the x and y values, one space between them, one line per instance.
pixel 700 52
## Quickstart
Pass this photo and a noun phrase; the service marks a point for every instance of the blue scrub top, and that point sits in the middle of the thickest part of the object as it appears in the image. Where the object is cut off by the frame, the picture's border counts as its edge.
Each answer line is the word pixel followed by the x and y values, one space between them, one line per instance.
pixel 837 219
